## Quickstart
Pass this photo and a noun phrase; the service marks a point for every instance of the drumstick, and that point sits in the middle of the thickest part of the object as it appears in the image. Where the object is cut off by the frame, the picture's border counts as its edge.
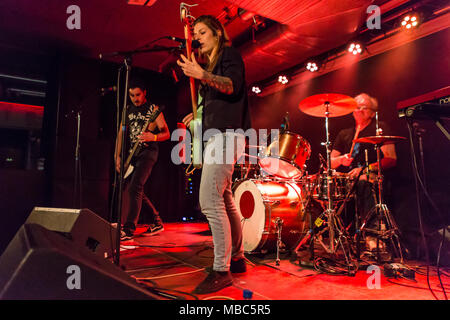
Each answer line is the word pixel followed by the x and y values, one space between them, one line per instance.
pixel 358 129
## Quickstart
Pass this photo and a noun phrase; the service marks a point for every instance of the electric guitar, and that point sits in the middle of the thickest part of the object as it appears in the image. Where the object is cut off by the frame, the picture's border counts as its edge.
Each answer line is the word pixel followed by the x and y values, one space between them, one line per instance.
pixel 196 124
pixel 128 167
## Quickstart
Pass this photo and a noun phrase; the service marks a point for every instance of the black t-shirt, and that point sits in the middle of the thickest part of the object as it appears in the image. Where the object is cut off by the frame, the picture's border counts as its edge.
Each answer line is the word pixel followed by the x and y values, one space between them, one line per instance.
pixel 134 121
pixel 227 111
pixel 344 142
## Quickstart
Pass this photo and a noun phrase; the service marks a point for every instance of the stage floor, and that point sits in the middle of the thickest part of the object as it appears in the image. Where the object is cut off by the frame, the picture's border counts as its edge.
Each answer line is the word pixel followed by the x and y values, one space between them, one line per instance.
pixel 174 261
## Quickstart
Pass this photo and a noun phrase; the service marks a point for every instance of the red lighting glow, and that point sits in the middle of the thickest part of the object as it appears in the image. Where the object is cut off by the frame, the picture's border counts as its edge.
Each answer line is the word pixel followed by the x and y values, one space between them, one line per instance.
pixel 21 108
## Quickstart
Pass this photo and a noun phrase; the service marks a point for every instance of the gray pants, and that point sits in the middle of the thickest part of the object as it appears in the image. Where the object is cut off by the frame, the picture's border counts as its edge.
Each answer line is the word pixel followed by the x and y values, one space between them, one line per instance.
pixel 216 198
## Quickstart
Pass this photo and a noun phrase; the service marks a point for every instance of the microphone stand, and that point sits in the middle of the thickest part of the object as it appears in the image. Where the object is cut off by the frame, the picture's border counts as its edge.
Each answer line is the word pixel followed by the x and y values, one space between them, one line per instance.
pixel 77 170
pixel 127 62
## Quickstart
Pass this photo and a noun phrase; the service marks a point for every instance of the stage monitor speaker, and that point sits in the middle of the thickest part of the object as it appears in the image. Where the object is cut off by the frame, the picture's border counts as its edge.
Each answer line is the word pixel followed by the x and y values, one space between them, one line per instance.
pixel 40 264
pixel 83 226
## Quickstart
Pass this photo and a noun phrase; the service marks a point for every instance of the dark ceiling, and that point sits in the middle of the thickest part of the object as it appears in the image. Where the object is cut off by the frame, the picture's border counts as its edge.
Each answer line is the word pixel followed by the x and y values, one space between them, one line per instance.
pixel 272 35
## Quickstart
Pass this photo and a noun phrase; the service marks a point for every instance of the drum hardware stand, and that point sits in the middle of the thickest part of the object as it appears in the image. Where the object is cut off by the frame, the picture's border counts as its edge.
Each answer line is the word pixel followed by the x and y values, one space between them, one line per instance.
pixel 334 224
pixel 382 211
pixel 330 212
pixel 310 234
pixel 341 208
pixel 279 223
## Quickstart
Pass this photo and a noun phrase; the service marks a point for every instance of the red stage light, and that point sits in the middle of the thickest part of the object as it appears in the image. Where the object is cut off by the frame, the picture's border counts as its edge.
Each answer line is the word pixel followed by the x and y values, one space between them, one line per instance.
pixel 410 21
pixel 355 48
pixel 312 66
pixel 283 79
pixel 256 89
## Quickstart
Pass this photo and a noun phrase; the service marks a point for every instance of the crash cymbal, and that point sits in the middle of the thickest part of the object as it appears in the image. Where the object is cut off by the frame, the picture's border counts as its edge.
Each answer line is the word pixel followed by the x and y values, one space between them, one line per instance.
pixel 338 105
pixel 379 139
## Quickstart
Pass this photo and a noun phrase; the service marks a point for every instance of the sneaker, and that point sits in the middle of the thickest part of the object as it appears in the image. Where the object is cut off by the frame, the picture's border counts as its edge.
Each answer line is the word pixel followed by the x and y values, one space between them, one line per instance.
pixel 153 229
pixel 215 281
pixel 238 266
pixel 125 235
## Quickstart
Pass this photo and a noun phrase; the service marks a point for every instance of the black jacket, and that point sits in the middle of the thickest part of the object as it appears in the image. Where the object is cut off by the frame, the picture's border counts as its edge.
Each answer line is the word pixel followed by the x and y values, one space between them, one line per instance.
pixel 227 111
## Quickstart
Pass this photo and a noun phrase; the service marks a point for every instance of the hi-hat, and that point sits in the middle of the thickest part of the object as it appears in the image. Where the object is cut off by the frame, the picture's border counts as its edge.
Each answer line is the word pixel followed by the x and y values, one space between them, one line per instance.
pixel 379 139
pixel 337 105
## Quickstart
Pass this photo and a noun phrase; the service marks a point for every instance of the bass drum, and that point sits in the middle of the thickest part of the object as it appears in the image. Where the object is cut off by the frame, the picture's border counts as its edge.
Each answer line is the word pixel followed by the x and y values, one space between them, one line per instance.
pixel 260 203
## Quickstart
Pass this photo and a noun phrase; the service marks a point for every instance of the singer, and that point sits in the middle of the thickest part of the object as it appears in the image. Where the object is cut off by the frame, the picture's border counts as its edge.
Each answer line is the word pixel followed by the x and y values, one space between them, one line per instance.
pixel 224 95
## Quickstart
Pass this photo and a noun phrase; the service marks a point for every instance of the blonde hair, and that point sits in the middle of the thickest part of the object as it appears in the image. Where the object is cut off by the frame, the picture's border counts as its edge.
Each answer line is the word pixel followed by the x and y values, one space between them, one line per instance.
pixel 218 30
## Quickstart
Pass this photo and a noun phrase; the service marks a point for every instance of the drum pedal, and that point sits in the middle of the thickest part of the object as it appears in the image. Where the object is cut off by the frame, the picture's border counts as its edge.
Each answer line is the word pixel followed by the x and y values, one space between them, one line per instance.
pixel 394 270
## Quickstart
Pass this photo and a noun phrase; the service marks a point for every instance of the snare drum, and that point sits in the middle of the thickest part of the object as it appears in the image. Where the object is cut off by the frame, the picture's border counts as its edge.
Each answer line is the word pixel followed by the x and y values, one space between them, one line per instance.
pixel 340 186
pixel 260 203
pixel 285 157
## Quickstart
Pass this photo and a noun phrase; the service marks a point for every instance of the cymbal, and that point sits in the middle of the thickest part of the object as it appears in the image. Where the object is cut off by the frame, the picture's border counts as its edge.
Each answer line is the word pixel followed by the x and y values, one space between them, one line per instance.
pixel 379 139
pixel 338 105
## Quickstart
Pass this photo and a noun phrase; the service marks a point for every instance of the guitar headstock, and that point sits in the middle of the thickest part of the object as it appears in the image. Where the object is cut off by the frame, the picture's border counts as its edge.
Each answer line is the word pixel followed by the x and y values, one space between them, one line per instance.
pixel 185 13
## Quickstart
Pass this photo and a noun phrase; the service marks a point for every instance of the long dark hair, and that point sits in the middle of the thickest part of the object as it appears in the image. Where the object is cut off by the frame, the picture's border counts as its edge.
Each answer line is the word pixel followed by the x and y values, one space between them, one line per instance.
pixel 214 24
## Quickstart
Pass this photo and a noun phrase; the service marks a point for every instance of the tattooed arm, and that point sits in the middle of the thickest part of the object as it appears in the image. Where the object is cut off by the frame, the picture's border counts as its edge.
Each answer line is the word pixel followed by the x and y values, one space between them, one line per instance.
pixel 223 84
pixel 194 70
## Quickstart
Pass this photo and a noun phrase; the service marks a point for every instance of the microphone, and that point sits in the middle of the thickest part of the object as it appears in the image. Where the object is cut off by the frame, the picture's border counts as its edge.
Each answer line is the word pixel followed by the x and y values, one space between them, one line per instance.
pixel 103 91
pixel 195 43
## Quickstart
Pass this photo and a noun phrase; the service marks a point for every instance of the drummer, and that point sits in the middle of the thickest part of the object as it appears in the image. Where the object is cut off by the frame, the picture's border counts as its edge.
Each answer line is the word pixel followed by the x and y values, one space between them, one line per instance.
pixel 350 157
pixel 344 159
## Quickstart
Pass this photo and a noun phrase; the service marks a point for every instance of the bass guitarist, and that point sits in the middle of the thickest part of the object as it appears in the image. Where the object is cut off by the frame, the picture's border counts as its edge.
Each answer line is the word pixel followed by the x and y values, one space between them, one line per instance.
pixel 135 119
pixel 223 90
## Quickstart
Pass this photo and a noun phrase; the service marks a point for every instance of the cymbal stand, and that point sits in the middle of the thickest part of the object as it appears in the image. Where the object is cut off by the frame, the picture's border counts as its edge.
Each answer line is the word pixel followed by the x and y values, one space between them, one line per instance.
pixel 389 230
pixel 335 226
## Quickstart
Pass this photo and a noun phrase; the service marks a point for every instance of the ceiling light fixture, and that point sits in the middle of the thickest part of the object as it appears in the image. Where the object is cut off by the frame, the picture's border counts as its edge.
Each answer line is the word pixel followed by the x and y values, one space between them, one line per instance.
pixel 283 79
pixel 355 48
pixel 312 66
pixel 256 89
pixel 410 21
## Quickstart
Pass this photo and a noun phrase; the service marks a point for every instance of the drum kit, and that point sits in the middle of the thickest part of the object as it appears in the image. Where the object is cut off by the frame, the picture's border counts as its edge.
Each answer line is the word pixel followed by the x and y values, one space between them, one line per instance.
pixel 284 208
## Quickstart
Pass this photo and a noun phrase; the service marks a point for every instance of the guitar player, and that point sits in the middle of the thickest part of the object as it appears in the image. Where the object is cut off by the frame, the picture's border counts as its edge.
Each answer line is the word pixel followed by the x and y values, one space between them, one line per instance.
pixel 135 118
pixel 223 90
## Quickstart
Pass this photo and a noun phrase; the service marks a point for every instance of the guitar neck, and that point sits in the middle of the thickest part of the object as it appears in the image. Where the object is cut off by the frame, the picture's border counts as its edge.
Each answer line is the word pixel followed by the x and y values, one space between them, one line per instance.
pixel 138 144
pixel 188 38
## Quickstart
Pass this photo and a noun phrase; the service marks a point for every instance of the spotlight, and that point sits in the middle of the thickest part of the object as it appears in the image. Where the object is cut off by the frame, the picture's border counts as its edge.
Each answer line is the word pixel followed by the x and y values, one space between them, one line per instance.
pixel 256 89
pixel 283 79
pixel 355 48
pixel 312 66
pixel 409 21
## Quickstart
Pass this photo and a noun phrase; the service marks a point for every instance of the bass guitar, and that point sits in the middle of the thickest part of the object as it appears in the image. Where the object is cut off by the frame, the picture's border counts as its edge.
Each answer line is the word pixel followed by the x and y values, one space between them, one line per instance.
pixel 196 124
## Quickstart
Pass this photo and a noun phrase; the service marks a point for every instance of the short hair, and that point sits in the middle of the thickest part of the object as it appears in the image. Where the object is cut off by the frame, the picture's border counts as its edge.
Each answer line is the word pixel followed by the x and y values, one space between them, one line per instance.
pixel 368 101
pixel 137 83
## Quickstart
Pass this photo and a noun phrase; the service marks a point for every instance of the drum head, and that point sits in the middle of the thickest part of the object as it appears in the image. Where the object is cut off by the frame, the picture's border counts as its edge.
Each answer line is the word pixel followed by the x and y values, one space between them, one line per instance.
pixel 279 168
pixel 250 205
